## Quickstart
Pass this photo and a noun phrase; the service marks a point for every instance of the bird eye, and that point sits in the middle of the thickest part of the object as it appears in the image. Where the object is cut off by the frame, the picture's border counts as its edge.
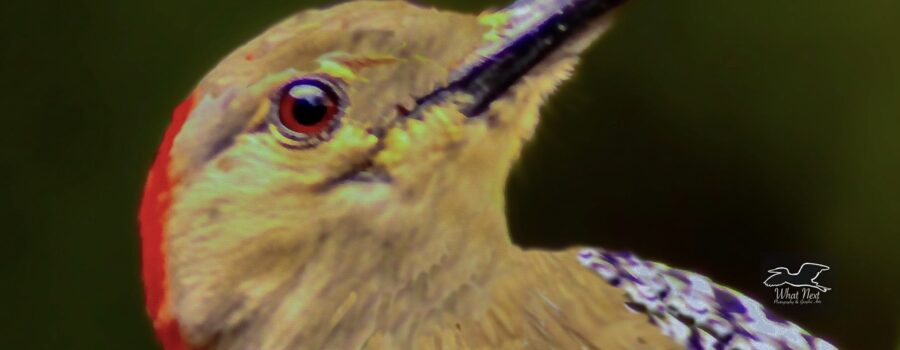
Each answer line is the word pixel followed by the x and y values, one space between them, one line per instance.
pixel 308 108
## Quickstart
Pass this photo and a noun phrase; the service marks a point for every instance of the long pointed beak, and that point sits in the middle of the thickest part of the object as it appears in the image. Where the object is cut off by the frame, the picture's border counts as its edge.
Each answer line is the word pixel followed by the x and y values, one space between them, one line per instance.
pixel 524 35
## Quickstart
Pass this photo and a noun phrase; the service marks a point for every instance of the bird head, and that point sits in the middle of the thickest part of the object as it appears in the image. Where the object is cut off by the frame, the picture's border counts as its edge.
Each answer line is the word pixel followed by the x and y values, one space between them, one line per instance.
pixel 344 152
pixel 779 270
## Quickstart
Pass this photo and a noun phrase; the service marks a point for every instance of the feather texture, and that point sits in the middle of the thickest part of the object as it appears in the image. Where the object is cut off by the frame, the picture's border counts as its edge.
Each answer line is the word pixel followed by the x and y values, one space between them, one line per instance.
pixel 693 310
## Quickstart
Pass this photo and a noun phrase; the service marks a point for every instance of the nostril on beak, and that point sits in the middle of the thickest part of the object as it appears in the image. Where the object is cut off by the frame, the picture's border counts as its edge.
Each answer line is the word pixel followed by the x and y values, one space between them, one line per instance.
pixel 402 111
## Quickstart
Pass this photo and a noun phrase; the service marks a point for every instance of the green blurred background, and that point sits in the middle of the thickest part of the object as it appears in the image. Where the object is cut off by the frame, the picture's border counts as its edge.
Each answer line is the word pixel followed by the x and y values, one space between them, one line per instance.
pixel 719 136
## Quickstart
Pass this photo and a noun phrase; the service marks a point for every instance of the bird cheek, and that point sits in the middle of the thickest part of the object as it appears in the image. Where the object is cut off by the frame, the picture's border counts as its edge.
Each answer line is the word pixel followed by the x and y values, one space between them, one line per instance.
pixel 349 147
pixel 419 147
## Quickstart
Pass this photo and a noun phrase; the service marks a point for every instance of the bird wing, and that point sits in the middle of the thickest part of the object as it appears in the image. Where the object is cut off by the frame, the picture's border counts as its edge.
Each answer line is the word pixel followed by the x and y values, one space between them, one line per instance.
pixel 694 311
pixel 818 268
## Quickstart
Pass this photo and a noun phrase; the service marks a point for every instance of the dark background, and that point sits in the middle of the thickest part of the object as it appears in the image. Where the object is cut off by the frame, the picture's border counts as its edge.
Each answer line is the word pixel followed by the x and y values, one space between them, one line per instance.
pixel 718 136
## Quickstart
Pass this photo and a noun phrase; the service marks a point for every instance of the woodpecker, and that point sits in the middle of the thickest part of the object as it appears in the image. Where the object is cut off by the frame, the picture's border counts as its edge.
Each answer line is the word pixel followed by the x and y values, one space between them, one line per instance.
pixel 338 183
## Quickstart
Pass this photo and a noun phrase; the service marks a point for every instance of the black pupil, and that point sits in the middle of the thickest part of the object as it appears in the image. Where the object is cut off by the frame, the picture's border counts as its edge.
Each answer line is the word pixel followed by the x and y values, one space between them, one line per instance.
pixel 311 108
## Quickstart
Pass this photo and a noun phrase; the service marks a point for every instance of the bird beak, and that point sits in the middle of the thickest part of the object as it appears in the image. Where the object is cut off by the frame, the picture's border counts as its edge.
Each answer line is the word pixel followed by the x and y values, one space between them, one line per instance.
pixel 524 35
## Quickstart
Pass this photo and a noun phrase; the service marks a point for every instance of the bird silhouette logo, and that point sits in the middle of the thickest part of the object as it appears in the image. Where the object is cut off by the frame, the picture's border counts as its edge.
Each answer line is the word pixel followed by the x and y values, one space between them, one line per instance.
pixel 805 277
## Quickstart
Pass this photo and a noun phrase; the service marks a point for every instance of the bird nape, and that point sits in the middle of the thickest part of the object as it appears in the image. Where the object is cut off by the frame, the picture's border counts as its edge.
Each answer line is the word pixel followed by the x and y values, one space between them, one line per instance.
pixel 337 183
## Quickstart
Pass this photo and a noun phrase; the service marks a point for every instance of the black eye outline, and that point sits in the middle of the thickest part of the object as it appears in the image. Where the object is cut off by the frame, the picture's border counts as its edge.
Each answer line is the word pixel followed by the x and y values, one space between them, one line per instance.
pixel 300 134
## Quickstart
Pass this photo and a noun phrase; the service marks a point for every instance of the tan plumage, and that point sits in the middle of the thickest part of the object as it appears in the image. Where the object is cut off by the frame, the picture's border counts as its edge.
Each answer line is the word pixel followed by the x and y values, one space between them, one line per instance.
pixel 273 247
pixel 541 300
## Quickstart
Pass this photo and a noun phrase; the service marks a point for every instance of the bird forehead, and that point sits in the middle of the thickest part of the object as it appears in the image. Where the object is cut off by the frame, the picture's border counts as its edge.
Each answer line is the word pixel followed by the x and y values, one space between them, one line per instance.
pixel 377 29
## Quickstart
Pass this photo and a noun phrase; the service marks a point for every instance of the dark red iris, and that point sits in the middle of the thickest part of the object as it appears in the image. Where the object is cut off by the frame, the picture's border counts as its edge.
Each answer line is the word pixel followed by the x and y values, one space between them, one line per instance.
pixel 308 106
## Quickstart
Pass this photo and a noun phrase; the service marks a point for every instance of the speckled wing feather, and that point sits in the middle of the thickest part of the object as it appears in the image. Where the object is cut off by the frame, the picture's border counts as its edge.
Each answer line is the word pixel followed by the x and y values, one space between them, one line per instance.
pixel 694 311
